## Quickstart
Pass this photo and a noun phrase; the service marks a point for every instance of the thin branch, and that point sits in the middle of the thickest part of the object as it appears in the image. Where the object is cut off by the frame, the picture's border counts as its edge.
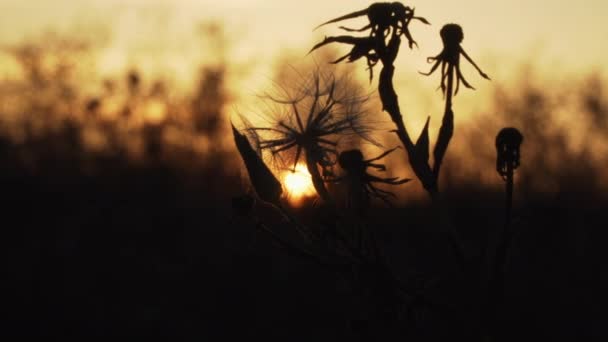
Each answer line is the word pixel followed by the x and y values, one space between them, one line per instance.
pixel 447 126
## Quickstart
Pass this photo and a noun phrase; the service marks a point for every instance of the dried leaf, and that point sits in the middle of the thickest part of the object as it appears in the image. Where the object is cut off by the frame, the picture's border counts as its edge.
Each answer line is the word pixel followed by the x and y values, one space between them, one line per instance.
pixel 422 144
pixel 263 180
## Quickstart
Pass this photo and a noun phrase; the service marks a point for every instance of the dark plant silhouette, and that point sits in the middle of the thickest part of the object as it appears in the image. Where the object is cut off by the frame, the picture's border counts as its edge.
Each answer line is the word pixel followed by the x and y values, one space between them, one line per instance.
pixel 418 152
pixel 346 245
pixel 387 22
pixel 267 187
pixel 342 241
pixel 132 180
pixel 351 236
pixel 317 114
pixel 387 26
pixel 361 184
pixel 449 60
pixel 362 47
pixel 383 16
pixel 508 142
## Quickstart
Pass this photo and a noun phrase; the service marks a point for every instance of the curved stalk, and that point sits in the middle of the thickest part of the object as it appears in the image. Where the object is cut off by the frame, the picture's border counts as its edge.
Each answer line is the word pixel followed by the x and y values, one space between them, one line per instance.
pixel 419 164
pixel 317 179
pixel 447 126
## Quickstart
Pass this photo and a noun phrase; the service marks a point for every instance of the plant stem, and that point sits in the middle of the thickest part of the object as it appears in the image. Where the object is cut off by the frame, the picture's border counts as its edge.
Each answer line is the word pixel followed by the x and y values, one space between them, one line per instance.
pixel 450 88
pixel 419 164
pixel 509 195
pixel 317 179
pixel 391 105
pixel 497 277
pixel 447 126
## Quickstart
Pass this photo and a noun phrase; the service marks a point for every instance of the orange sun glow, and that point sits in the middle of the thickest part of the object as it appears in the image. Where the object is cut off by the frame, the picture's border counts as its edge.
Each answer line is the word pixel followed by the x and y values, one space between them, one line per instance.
pixel 298 184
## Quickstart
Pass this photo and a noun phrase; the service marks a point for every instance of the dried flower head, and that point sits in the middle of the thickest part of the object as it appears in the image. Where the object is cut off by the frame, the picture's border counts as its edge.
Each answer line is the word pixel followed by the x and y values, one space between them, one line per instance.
pixel 449 58
pixel 360 182
pixel 508 142
pixel 362 47
pixel 383 17
pixel 311 119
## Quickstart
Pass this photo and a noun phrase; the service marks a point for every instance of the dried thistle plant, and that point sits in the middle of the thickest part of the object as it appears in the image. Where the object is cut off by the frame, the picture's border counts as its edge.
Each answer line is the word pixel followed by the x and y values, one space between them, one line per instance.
pixel 384 18
pixel 387 30
pixel 309 121
pixel 315 114
pixel 508 142
pixel 361 184
pixel 449 59
pixel 362 47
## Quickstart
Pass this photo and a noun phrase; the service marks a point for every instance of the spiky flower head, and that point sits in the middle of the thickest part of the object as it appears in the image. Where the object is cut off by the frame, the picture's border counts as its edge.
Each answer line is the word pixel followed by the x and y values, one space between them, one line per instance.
pixel 312 117
pixel 308 120
pixel 362 184
pixel 449 60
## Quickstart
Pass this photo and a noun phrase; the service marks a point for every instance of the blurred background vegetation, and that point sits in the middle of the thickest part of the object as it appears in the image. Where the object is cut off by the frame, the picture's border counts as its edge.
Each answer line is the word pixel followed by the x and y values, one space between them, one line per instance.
pixel 116 188
pixel 55 103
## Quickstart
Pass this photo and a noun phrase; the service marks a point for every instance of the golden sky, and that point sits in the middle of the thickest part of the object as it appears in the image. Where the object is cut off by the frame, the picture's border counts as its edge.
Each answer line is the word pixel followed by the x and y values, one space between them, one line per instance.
pixel 569 32
pixel 559 38
pixel 161 35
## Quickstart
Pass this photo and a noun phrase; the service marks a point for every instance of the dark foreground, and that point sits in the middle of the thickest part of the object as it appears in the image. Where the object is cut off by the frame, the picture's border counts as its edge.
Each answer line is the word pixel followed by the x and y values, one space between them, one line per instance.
pixel 145 251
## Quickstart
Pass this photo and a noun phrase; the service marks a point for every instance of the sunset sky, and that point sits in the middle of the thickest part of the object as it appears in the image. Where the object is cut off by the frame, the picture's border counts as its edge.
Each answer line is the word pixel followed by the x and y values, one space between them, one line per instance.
pixel 573 33
pixel 557 39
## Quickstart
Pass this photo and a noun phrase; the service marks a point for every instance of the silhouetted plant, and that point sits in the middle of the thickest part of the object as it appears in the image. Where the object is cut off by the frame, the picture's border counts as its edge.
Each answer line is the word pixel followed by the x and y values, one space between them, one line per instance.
pixel 318 114
pixel 383 17
pixel 350 236
pixel 449 59
pixel 362 47
pixel 266 185
pixel 45 116
pixel 508 142
pixel 317 117
pixel 361 184
pixel 388 24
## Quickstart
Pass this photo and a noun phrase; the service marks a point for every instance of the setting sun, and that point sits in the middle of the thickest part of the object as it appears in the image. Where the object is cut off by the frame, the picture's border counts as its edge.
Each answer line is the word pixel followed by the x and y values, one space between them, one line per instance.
pixel 298 183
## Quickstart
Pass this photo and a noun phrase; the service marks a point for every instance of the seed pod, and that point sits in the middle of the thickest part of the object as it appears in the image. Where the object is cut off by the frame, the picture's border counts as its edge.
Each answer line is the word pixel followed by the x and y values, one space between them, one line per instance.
pixel 361 183
pixel 451 34
pixel 449 60
pixel 508 142
pixel 352 161
pixel 263 180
